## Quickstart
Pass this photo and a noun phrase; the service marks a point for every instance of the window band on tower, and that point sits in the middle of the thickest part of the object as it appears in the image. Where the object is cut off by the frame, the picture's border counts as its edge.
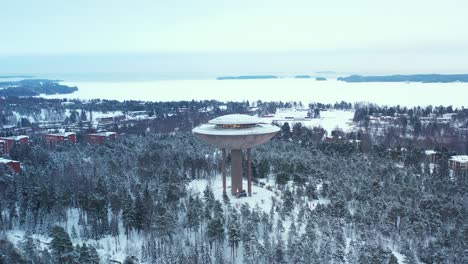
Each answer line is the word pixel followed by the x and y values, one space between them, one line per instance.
pixel 235 126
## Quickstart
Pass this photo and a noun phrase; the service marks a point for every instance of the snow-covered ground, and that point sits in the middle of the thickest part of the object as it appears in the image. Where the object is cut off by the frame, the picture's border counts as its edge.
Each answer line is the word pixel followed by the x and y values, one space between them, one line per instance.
pixel 282 89
pixel 108 247
pixel 260 196
pixel 329 120
pixel 401 259
pixel 16 236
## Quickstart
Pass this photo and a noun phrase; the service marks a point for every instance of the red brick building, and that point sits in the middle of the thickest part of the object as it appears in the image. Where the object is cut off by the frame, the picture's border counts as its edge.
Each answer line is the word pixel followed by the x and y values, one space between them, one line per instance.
pixel 22 139
pixel 2 146
pixel 11 165
pixel 61 137
pixel 7 143
pixel 101 137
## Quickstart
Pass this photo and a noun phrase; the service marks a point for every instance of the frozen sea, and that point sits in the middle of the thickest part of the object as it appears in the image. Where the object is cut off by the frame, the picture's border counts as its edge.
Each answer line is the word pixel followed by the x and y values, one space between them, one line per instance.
pixel 282 89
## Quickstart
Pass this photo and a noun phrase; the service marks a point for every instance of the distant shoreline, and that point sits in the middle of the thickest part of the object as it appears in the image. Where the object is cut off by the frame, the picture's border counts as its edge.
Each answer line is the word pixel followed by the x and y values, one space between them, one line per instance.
pixel 423 78
pixel 16 76
pixel 247 77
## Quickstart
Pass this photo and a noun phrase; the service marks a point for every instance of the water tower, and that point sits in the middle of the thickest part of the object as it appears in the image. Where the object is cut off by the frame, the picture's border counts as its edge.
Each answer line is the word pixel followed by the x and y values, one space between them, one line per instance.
pixel 235 133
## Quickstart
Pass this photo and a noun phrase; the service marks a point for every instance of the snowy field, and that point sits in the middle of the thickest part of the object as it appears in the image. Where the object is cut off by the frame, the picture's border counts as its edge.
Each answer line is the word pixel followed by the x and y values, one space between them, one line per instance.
pixel 284 89
pixel 329 120
pixel 260 196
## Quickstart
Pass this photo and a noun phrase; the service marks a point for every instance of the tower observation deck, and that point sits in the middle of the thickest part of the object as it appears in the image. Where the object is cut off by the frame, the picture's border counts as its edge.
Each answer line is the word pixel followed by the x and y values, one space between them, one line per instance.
pixel 236 132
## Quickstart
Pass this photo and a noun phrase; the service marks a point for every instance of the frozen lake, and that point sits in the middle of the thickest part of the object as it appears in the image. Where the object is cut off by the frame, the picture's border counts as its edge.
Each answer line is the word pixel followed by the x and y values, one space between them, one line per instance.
pixel 284 89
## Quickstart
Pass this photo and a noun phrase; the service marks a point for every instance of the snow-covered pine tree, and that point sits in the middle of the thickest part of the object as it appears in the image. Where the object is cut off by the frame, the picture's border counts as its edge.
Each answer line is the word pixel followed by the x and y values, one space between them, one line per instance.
pixel 61 246
pixel 233 232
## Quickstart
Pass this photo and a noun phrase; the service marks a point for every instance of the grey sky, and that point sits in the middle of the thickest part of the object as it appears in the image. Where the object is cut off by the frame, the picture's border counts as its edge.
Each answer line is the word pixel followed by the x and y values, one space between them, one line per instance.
pixel 415 35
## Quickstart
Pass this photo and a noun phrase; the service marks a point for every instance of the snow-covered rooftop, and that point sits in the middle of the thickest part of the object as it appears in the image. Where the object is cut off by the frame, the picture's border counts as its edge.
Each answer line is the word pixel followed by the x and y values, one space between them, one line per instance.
pixel 5 161
pixel 460 158
pixel 430 152
pixel 104 133
pixel 63 134
pixel 235 119
pixel 15 137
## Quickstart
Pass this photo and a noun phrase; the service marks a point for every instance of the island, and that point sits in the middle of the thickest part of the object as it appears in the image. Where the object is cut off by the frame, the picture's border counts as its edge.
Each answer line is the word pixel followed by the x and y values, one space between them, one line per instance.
pixel 424 78
pixel 302 76
pixel 320 78
pixel 34 87
pixel 16 76
pixel 247 77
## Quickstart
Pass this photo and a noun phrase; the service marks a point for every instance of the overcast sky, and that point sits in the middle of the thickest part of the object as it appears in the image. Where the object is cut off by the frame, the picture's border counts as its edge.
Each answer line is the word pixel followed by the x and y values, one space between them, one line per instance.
pixel 348 35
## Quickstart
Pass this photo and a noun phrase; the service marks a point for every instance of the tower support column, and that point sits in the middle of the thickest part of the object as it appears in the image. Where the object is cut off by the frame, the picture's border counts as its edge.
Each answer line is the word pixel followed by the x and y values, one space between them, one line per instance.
pixel 249 172
pixel 236 170
pixel 223 169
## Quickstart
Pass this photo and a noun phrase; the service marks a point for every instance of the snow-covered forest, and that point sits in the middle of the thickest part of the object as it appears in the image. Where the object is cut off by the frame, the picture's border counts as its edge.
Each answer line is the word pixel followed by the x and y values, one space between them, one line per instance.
pixel 132 201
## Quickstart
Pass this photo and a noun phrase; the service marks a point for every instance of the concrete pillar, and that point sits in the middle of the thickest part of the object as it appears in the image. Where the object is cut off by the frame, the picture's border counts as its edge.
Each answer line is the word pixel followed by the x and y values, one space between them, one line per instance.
pixel 249 172
pixel 223 170
pixel 236 170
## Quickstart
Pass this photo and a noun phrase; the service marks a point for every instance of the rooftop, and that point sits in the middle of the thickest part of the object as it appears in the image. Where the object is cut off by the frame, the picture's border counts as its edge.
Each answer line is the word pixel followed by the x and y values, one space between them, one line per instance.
pixel 64 134
pixel 460 158
pixel 104 134
pixel 236 131
pixel 235 119
pixel 5 161
pixel 15 137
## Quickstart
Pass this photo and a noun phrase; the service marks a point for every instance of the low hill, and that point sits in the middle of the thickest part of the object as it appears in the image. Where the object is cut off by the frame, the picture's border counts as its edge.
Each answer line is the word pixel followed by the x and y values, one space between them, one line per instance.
pixel 247 77
pixel 34 87
pixel 424 78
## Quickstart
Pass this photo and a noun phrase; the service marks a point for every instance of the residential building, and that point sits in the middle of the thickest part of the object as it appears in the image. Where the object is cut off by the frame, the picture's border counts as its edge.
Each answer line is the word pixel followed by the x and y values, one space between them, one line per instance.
pixel 101 137
pixel 432 156
pixel 459 164
pixel 7 143
pixel 61 137
pixel 10 165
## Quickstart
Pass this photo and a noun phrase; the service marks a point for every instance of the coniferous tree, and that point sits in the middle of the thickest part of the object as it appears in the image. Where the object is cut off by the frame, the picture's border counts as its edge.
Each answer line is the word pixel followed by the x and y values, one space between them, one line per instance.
pixel 393 259
pixel 130 260
pixel 233 233
pixel 288 204
pixel 61 246
pixel 292 237
pixel 285 131
pixel 9 254
pixel 279 256
pixel 219 255
pixel 73 234
pixel 29 248
pixel 139 214
pixel 83 251
pixel 128 214
pixel 215 231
